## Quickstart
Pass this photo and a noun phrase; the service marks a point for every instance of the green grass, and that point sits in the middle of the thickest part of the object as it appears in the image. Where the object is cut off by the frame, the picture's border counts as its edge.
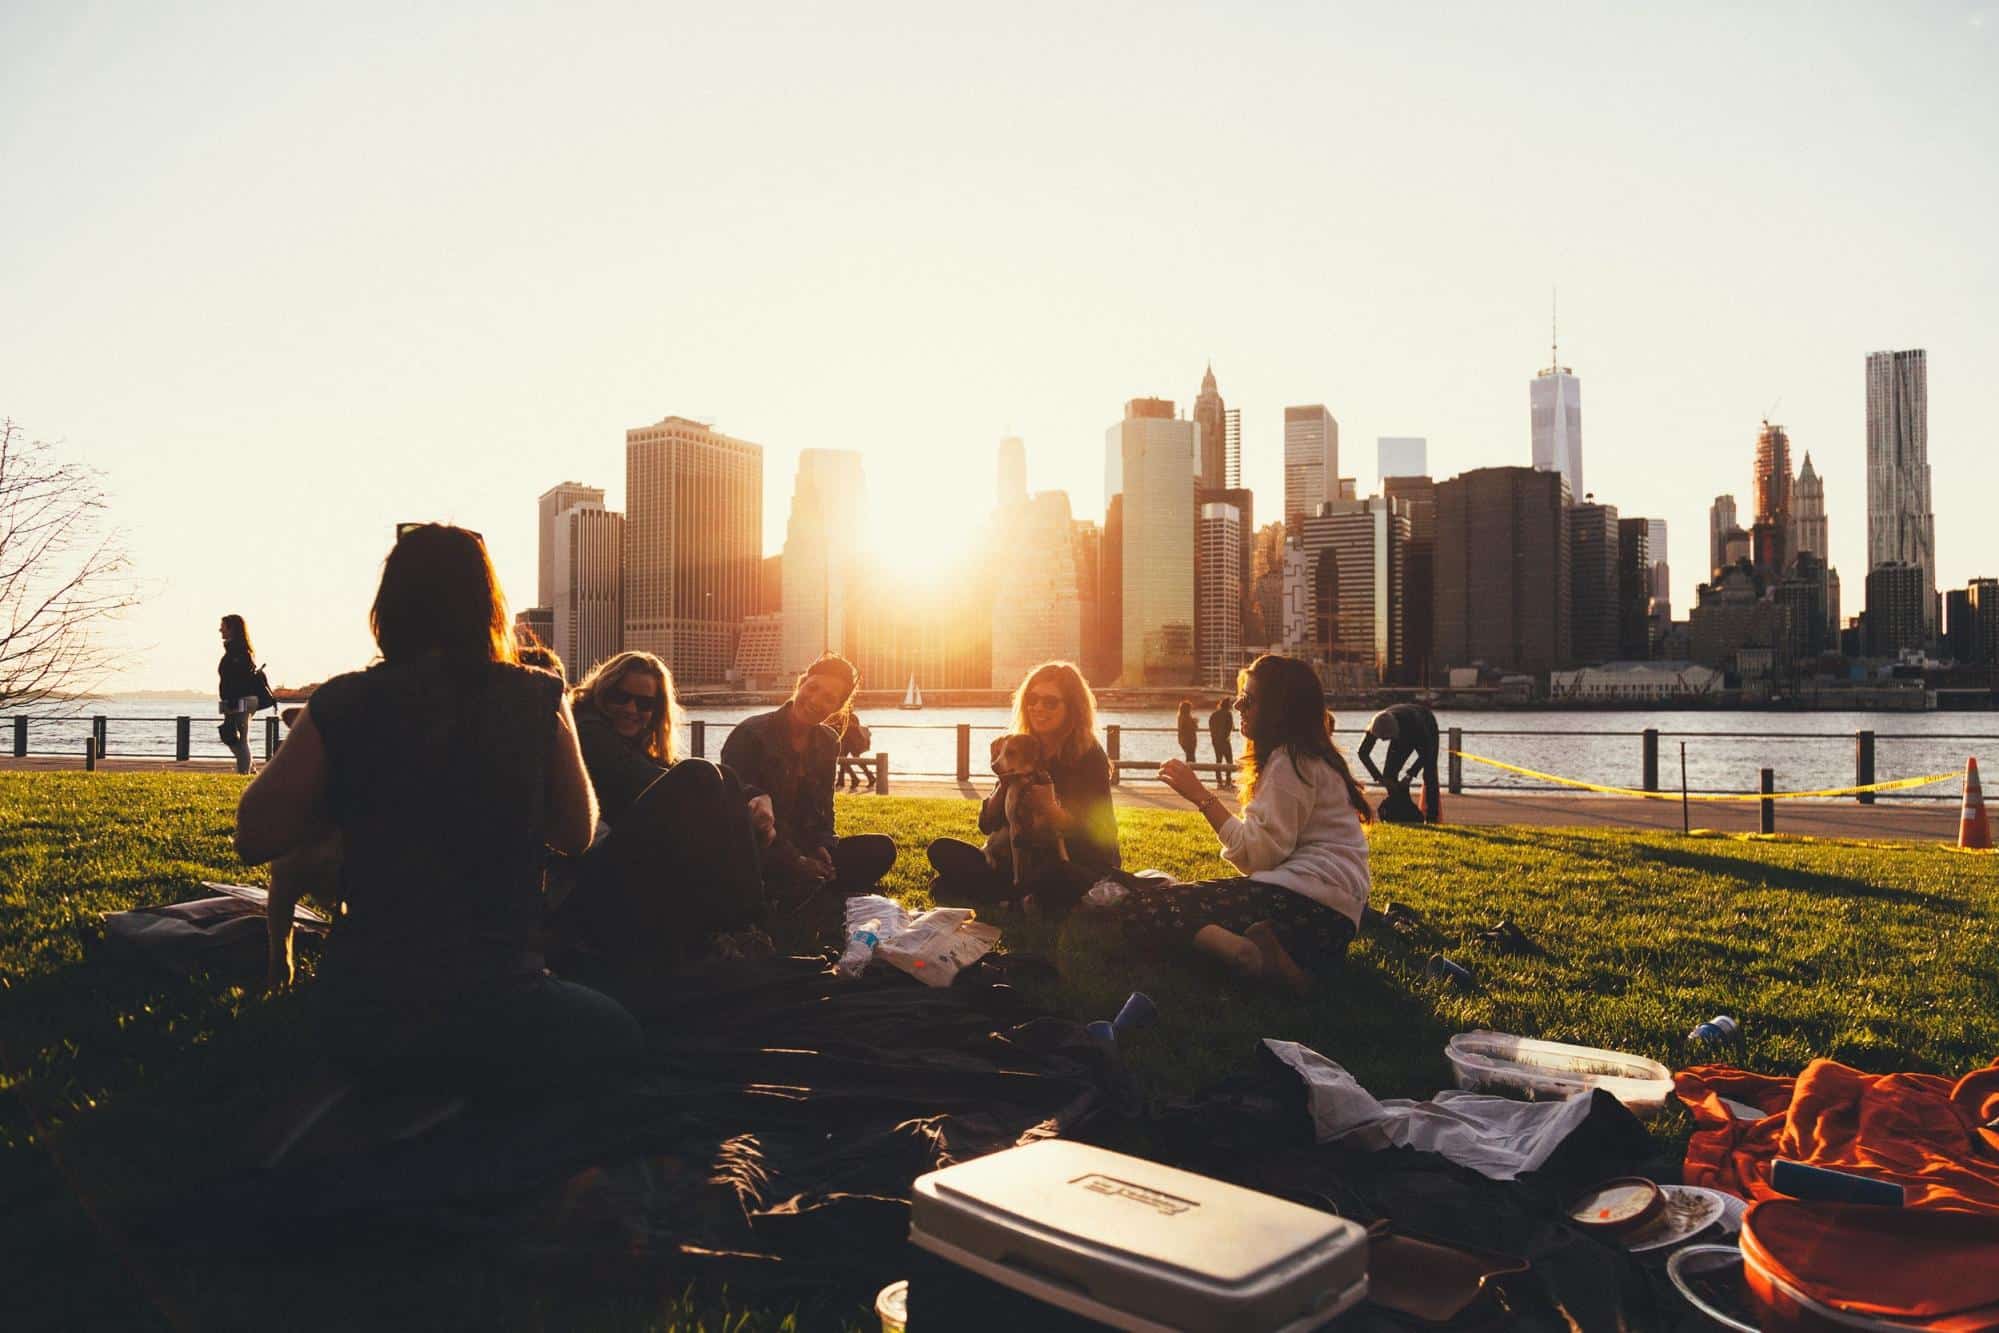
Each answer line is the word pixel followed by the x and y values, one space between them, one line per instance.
pixel 1885 957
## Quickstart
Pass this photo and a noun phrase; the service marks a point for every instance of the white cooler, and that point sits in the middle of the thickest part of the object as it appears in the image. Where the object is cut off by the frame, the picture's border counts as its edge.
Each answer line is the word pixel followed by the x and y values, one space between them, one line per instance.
pixel 1136 1245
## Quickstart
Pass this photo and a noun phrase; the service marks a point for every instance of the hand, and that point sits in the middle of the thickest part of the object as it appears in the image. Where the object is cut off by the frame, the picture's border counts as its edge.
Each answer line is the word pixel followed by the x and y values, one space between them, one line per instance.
pixel 764 820
pixel 1177 774
pixel 278 972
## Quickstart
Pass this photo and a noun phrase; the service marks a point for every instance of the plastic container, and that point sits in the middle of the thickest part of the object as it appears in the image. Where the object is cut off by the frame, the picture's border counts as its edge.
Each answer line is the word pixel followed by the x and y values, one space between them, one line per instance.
pixel 1137 1245
pixel 892 1307
pixel 1499 1062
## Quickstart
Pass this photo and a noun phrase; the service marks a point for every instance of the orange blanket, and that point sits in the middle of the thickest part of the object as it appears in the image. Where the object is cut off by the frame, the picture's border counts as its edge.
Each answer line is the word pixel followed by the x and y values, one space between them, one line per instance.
pixel 1938 1138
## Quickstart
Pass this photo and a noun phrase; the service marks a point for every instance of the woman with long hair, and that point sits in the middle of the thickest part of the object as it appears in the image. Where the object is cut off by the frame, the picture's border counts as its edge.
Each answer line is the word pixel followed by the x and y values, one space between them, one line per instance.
pixel 237 688
pixel 448 771
pixel 1298 841
pixel 1188 729
pixel 788 755
pixel 1053 704
pixel 679 865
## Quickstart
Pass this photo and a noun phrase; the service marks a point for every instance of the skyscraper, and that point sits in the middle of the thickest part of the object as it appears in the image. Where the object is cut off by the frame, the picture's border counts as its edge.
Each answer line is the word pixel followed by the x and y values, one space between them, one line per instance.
pixel 1218 612
pixel 1720 522
pixel 694 503
pixel 1311 460
pixel 1012 478
pixel 1771 534
pixel 1896 595
pixel 1502 576
pixel 1555 402
pixel 1634 589
pixel 1900 524
pixel 1212 471
pixel 1401 456
pixel 1808 522
pixel 589 581
pixel 1232 447
pixel 1036 612
pixel 1662 575
pixel 1087 541
pixel 554 500
pixel 1368 542
pixel 1594 621
pixel 820 568
pixel 1149 463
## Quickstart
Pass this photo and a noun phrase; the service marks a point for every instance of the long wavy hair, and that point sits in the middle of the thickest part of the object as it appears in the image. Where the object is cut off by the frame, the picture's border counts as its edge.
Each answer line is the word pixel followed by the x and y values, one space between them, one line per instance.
pixel 662 738
pixel 1079 711
pixel 849 676
pixel 236 634
pixel 439 595
pixel 1291 715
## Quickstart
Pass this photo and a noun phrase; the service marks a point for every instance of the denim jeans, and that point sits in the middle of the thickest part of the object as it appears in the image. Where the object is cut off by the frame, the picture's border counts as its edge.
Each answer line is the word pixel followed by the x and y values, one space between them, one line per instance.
pixel 239 719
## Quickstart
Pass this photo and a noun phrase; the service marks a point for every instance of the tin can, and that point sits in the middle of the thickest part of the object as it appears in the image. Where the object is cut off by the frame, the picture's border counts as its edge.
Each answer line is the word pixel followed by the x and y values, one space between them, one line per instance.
pixel 1440 968
pixel 1717 1031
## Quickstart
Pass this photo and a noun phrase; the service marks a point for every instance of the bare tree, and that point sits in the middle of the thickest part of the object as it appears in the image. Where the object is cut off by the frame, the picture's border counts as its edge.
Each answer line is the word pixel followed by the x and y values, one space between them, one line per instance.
pixel 63 572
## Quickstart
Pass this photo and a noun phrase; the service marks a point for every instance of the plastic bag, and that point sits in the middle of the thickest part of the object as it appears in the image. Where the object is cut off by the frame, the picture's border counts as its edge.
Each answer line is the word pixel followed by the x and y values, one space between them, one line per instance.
pixel 871 919
pixel 1104 893
pixel 936 945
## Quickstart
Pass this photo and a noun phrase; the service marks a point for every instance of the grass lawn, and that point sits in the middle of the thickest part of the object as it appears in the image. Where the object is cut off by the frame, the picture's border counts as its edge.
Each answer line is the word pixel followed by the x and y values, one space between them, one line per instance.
pixel 113 1087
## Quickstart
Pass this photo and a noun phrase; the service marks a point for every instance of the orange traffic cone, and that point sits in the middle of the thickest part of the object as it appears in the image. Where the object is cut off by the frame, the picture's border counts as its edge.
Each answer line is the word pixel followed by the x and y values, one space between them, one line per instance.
pixel 1973 832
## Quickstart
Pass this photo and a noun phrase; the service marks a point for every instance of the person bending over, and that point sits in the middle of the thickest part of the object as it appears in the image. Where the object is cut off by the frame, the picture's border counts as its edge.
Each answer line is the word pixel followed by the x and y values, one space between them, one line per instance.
pixel 447 770
pixel 1411 732
pixel 1054 705
pixel 1298 842
pixel 789 754
pixel 678 864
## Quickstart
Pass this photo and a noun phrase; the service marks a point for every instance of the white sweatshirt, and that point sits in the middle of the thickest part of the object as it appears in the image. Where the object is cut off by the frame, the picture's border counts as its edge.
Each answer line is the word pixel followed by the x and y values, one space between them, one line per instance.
pixel 1302 833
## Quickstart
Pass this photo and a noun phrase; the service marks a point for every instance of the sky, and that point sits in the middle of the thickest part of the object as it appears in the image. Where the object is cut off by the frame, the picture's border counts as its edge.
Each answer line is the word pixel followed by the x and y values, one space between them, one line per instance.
pixel 289 274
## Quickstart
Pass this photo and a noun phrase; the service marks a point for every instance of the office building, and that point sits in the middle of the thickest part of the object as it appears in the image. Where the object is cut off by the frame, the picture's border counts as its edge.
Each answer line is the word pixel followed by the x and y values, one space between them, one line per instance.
pixel 760 653
pixel 1086 542
pixel 1720 522
pixel 1311 460
pixel 561 496
pixel 1401 456
pixel 1218 606
pixel 1594 619
pixel 1036 612
pixel 694 504
pixel 1808 522
pixel 1555 400
pixel 1419 493
pixel 1661 590
pixel 1211 472
pixel 536 624
pixel 1771 534
pixel 1244 503
pixel 1808 592
pixel 820 567
pixel 1896 594
pixel 1973 623
pixel 1232 447
pixel 1011 488
pixel 589 617
pixel 1110 596
pixel 1294 618
pixel 1502 588
pixel 1634 589
pixel 1149 463
pixel 1362 547
pixel 1901 529
pixel 936 633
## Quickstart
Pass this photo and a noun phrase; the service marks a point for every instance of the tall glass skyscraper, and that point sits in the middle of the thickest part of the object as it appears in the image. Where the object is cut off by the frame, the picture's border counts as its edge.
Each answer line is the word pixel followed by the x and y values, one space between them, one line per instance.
pixel 1900 524
pixel 1556 401
pixel 1311 461
pixel 819 563
pixel 1149 463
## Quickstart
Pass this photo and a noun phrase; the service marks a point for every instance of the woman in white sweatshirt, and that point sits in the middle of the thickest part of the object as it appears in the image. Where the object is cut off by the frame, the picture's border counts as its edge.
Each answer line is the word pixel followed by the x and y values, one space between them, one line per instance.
pixel 1298 841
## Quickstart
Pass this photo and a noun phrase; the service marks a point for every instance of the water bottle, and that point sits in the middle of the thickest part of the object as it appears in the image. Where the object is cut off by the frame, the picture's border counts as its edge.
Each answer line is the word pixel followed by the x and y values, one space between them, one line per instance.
pixel 860 949
pixel 1717 1031
pixel 1440 968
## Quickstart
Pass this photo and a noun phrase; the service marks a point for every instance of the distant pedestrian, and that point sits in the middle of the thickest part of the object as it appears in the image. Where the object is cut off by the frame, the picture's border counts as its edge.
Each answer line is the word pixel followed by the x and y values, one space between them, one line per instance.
pixel 1190 731
pixel 1221 732
pixel 1411 732
pixel 241 691
pixel 854 743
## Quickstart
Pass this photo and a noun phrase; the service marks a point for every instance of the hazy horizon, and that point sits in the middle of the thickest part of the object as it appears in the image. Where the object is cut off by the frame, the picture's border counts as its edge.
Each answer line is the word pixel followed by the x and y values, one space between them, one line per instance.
pixel 338 270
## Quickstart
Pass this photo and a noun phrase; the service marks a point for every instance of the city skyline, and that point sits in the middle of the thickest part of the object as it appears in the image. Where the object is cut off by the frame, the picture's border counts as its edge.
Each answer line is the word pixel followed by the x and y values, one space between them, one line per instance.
pixel 465 290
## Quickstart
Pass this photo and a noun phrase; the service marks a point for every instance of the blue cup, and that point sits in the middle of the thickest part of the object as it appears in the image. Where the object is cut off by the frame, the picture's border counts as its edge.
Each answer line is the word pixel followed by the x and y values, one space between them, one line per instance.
pixel 1138 1012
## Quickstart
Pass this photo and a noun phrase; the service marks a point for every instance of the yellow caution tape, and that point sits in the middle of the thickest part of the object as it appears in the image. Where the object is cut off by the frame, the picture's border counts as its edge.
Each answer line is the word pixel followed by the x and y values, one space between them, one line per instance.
pixel 1899 784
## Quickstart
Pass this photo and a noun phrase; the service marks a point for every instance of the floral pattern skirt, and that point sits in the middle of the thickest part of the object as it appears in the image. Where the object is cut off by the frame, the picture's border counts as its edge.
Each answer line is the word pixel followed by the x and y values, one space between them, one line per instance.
pixel 1312 933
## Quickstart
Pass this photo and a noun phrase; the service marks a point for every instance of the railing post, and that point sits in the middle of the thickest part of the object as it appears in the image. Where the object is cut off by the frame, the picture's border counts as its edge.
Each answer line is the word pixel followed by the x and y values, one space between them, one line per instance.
pixel 90 754
pixel 1651 759
pixel 1457 764
pixel 183 737
pixel 99 733
pixel 1113 735
pixel 881 772
pixel 697 737
pixel 20 738
pixel 1863 765
pixel 1769 821
pixel 270 735
pixel 964 752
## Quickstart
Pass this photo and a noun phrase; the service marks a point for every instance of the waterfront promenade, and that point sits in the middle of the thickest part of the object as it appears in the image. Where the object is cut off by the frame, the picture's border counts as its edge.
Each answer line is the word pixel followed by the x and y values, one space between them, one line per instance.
pixel 1911 821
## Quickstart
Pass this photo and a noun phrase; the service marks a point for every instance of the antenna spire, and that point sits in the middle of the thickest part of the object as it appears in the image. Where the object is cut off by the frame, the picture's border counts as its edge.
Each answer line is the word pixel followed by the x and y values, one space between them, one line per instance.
pixel 1554 330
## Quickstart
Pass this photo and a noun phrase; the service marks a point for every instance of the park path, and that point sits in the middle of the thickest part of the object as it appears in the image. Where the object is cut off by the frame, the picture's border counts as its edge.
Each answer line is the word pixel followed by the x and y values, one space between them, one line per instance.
pixel 1915 821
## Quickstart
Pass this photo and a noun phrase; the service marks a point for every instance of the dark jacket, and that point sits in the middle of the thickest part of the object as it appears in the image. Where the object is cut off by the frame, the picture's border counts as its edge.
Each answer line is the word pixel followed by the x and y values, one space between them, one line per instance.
pixel 800 786
pixel 1084 789
pixel 618 769
pixel 238 676
pixel 1221 724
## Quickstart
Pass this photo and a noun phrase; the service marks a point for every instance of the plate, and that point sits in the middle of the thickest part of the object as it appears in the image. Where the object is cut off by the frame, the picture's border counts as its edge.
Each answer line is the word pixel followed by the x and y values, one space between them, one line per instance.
pixel 1689 1210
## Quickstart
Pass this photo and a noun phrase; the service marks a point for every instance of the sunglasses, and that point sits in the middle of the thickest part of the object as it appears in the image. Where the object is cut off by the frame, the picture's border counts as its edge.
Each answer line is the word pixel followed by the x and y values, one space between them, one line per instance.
pixel 1242 701
pixel 620 697
pixel 1044 701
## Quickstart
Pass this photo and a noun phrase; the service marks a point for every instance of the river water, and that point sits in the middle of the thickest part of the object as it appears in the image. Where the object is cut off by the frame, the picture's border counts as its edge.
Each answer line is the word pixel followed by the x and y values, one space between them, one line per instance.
pixel 1724 750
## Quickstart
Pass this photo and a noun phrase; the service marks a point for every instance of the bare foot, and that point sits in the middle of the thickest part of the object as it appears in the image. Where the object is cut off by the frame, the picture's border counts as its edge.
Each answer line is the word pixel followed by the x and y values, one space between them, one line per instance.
pixel 1278 965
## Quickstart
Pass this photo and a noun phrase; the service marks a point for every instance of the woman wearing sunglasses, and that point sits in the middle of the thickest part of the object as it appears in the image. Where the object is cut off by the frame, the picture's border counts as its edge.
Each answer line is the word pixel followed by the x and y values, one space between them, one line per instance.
pixel 679 865
pixel 1055 706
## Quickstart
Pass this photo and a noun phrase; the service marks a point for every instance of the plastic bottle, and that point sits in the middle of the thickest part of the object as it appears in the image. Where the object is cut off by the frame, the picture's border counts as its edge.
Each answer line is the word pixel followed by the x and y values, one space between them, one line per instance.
pixel 1104 893
pixel 1443 969
pixel 1717 1031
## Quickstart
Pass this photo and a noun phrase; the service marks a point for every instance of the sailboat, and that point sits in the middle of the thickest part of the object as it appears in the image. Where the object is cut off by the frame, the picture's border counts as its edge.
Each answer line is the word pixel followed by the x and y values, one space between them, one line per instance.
pixel 912 697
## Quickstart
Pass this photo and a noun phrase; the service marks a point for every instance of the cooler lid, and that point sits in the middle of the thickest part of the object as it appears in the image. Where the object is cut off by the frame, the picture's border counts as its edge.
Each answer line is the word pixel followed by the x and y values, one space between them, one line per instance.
pixel 1901 1264
pixel 1106 1201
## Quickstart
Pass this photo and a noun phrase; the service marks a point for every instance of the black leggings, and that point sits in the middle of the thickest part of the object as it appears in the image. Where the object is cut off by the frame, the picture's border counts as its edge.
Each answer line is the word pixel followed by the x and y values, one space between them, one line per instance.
pixel 1171 915
pixel 964 879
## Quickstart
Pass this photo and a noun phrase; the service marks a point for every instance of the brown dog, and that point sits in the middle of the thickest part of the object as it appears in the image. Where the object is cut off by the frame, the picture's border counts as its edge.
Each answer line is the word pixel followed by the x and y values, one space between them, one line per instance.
pixel 1032 839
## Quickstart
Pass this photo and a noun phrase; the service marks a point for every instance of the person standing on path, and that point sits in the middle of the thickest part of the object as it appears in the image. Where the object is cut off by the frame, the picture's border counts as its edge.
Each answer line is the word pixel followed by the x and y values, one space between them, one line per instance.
pixel 1190 731
pixel 1221 732
pixel 240 693
pixel 1411 732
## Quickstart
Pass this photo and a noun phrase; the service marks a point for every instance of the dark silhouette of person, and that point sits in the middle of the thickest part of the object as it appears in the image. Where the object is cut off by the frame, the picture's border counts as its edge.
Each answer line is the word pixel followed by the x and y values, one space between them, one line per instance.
pixel 1411 732
pixel 1221 733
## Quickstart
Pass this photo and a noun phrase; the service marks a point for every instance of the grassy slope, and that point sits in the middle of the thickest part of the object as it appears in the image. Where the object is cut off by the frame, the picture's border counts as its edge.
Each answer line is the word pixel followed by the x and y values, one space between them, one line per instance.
pixel 1884 957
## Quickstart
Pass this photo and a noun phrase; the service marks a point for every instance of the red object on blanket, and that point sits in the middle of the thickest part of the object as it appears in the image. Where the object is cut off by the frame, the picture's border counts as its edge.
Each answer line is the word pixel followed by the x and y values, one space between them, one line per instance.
pixel 1939 1139
pixel 1822 1268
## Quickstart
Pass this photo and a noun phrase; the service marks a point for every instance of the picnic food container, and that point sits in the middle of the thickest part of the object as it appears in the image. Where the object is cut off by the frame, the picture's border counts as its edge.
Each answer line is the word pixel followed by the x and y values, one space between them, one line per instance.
pixel 1833 1268
pixel 1511 1066
pixel 1136 1245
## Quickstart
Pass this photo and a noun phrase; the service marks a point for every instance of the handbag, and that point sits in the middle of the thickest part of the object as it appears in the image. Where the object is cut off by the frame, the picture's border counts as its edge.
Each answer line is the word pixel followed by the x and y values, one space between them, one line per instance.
pixel 265 699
